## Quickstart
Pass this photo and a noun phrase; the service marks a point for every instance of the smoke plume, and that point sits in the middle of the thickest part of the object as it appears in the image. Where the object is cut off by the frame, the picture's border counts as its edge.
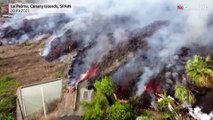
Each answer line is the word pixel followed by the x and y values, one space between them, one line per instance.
pixel 99 26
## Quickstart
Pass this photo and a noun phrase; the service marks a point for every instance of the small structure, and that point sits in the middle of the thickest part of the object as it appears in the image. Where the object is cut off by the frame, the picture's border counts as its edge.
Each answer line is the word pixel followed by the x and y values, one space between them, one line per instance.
pixel 34 98
pixel 86 95
pixel 83 94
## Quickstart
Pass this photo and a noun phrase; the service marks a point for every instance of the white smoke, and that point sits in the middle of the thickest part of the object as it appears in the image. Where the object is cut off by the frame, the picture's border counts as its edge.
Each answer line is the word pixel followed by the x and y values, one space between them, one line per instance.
pixel 144 79
pixel 188 27
pixel 129 71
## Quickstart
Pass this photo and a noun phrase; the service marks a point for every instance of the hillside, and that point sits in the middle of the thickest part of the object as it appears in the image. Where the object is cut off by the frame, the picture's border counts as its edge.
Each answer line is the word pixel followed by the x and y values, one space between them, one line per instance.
pixel 25 64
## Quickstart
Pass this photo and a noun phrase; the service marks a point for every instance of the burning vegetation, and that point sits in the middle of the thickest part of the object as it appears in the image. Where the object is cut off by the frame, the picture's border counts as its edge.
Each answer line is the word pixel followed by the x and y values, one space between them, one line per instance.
pixel 111 99
pixel 146 54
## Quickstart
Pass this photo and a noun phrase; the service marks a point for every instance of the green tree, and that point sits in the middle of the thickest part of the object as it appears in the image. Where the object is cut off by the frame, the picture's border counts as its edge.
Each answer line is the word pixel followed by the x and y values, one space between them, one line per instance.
pixel 99 108
pixel 200 71
pixel 95 109
pixel 120 111
pixel 105 86
pixel 183 94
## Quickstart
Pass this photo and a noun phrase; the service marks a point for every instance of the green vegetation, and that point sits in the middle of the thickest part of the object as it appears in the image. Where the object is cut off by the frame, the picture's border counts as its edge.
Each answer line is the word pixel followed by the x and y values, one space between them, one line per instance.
pixel 119 111
pixel 96 108
pixel 61 74
pixel 163 106
pixel 200 71
pixel 105 86
pixel 164 102
pixel 166 115
pixel 183 94
pixel 7 97
pixel 146 115
pixel 99 108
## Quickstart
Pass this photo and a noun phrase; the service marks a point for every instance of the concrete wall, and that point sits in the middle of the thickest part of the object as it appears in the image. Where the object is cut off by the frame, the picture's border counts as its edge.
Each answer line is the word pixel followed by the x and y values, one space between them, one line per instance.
pixel 32 98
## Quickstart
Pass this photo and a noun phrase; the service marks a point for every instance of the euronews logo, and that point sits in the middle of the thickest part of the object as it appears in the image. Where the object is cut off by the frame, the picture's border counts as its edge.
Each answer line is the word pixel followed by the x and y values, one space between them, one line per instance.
pixel 192 7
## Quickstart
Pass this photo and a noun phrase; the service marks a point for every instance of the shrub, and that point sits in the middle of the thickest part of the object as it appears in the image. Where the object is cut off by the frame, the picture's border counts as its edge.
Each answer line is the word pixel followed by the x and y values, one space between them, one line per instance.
pixel 183 94
pixel 199 71
pixel 99 108
pixel 96 108
pixel 7 98
pixel 146 115
pixel 164 102
pixel 120 111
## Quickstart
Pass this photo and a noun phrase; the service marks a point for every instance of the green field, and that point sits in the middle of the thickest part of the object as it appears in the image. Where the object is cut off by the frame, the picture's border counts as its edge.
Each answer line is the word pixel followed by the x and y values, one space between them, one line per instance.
pixel 8 87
